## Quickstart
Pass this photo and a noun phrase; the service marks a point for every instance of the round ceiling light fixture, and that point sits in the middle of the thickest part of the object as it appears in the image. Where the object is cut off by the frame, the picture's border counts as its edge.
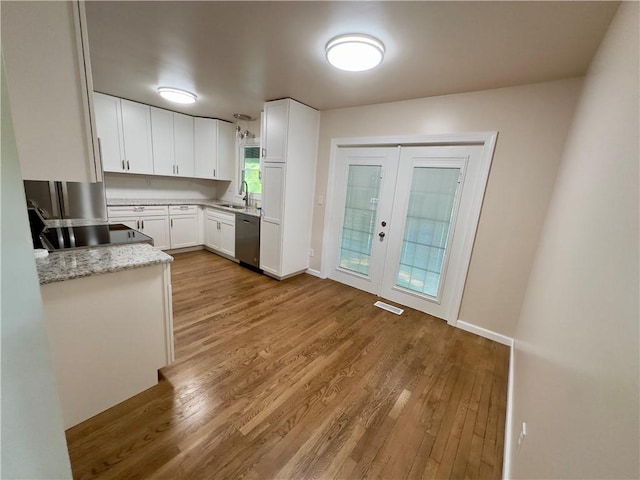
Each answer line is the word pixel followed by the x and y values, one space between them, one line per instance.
pixel 176 95
pixel 354 52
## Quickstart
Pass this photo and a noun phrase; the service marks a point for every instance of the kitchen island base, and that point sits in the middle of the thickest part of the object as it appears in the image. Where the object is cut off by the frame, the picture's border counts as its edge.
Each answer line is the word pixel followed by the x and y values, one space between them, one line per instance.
pixel 109 334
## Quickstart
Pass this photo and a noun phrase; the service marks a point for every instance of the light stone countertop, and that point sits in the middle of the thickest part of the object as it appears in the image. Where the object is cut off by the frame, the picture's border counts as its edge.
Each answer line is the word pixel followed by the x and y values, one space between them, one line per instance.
pixel 75 222
pixel 124 202
pixel 70 264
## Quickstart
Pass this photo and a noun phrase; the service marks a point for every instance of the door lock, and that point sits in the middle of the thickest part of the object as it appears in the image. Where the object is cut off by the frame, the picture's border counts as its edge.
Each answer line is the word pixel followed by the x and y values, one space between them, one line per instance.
pixel 381 235
pixel 384 224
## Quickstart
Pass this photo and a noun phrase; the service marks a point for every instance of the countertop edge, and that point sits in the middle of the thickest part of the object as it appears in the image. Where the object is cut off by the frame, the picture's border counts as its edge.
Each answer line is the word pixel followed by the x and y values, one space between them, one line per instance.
pixel 74 264
pixel 134 202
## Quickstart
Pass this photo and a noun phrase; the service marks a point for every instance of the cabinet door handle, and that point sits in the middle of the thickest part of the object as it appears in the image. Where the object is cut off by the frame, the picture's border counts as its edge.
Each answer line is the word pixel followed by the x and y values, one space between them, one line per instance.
pixel 142 222
pixel 178 169
pixel 214 173
pixel 123 165
pixel 100 149
pixel 137 224
pixel 172 223
pixel 128 166
pixel 174 169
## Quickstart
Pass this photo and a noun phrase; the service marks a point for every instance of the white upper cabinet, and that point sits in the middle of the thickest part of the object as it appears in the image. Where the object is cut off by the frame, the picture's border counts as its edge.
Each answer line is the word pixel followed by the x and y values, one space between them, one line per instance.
pixel 136 129
pixel 214 149
pixel 276 130
pixel 162 141
pixel 124 130
pixel 109 127
pixel 46 54
pixel 183 144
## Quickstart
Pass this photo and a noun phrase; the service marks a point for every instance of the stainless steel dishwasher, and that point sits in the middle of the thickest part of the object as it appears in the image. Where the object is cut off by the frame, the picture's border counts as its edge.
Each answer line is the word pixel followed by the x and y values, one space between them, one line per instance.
pixel 248 240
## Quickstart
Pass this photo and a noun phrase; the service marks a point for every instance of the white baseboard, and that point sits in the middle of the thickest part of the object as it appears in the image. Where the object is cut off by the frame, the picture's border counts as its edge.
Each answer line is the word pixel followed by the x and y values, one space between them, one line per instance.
pixel 506 464
pixel 483 332
pixel 315 273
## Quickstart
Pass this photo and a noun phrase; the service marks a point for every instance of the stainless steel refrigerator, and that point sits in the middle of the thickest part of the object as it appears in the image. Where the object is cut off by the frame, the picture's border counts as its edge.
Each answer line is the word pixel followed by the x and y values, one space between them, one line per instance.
pixel 67 199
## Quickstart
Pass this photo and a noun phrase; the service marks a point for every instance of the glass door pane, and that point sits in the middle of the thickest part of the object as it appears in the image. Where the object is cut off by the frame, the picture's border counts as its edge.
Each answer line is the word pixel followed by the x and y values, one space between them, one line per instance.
pixel 363 189
pixel 427 228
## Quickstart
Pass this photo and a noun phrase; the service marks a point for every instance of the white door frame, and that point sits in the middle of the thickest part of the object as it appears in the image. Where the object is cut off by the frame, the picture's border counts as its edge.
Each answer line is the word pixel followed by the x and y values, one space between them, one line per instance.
pixel 486 139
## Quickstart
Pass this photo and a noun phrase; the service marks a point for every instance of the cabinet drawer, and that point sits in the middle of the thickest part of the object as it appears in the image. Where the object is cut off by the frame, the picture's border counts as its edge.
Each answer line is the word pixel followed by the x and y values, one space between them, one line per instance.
pixel 137 210
pixel 183 209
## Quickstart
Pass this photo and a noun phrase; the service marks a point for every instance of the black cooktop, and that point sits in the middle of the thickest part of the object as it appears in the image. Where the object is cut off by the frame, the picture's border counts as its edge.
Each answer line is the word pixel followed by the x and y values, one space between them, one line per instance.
pixel 63 238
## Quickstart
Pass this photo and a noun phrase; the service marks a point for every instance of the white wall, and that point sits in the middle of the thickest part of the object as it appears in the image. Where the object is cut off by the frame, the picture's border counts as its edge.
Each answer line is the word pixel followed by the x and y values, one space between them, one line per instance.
pixel 532 122
pixel 33 442
pixel 121 185
pixel 577 341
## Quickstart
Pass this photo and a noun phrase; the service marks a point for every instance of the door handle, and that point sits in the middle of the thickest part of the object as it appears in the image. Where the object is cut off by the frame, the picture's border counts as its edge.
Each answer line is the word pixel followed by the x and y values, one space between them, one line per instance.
pixel 381 235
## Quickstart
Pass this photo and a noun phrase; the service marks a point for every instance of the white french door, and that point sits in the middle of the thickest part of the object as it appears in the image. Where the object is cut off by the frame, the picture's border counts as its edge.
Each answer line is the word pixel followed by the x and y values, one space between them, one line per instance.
pixel 366 179
pixel 405 217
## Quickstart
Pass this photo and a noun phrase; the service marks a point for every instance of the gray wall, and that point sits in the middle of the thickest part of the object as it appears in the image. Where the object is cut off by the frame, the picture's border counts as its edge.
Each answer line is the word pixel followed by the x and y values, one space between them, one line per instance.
pixel 33 442
pixel 576 346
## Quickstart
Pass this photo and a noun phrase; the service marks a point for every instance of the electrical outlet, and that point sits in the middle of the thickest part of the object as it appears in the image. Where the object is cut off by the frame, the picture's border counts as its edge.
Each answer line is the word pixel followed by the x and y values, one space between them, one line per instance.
pixel 523 434
pixel 311 252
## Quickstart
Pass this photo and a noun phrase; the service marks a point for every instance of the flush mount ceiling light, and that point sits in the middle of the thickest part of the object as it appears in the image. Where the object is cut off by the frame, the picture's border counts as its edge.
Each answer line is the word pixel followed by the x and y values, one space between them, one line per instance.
pixel 354 52
pixel 176 95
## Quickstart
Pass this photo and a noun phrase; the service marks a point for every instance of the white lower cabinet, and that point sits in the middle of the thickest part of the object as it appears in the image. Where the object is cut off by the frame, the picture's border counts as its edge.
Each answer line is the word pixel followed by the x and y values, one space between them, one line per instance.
pixel 152 220
pixel 184 226
pixel 270 251
pixel 220 232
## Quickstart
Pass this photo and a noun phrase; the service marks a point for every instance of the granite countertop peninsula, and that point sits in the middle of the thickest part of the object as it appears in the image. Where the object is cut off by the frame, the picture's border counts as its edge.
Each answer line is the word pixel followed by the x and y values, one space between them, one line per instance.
pixel 70 264
pixel 208 202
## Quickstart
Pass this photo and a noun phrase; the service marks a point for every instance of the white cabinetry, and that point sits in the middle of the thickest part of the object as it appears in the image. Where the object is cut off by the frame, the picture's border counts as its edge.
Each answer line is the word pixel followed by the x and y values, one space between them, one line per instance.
pixel 136 129
pixel 288 179
pixel 183 144
pixel 162 141
pixel 172 139
pixel 46 54
pixel 108 334
pixel 124 129
pixel 109 126
pixel 184 226
pixel 276 131
pixel 220 231
pixel 214 149
pixel 152 220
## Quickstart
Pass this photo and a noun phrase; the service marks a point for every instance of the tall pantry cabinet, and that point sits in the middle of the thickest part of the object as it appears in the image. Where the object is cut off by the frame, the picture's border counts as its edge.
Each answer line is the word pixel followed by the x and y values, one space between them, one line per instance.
pixel 289 151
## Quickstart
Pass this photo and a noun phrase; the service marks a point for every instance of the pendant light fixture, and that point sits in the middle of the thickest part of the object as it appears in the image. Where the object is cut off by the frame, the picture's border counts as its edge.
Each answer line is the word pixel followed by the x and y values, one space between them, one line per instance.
pixel 177 95
pixel 354 52
pixel 242 134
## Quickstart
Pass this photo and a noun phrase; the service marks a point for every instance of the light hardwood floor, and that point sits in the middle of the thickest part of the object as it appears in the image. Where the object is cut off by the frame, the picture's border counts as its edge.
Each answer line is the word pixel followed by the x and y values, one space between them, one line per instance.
pixel 302 378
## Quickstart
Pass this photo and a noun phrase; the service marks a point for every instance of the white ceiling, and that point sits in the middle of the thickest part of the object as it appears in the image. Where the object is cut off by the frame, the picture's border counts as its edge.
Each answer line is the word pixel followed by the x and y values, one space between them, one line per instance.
pixel 236 55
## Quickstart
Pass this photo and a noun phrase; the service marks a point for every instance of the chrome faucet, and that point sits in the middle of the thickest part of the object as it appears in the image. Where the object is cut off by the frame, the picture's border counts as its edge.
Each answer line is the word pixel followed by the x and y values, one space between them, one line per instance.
pixel 245 185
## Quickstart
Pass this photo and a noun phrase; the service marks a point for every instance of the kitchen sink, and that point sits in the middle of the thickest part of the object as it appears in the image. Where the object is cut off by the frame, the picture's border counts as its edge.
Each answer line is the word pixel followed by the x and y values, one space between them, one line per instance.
pixel 231 205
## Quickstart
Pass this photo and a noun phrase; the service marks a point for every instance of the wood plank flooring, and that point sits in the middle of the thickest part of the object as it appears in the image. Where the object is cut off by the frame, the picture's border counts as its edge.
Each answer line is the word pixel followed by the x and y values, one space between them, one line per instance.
pixel 302 378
